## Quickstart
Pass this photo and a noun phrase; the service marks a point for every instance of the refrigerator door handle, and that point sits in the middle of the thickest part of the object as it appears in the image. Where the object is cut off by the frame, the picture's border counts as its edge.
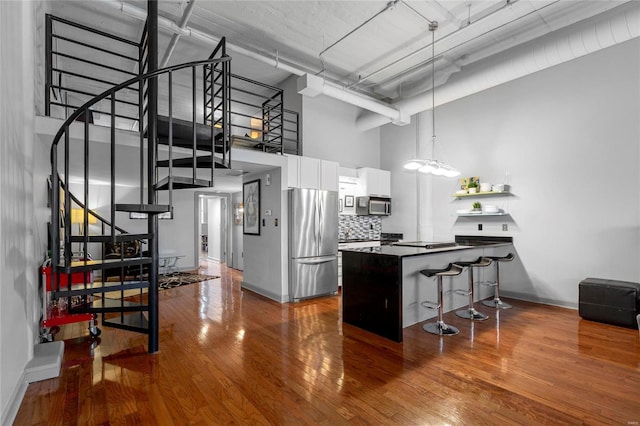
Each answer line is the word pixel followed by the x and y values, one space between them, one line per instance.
pixel 317 261
pixel 319 228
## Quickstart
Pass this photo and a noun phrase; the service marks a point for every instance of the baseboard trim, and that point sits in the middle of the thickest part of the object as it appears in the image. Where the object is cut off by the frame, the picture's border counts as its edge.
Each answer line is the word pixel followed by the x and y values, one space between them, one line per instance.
pixel 9 415
pixel 543 300
pixel 262 292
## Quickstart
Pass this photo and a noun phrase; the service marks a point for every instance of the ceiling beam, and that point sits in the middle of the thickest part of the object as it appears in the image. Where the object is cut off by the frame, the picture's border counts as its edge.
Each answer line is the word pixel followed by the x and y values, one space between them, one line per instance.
pixel 176 36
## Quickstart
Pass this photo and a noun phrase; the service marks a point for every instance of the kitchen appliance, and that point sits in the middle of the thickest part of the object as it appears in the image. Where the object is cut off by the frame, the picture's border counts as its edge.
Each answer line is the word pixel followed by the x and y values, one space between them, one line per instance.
pixel 313 243
pixel 376 206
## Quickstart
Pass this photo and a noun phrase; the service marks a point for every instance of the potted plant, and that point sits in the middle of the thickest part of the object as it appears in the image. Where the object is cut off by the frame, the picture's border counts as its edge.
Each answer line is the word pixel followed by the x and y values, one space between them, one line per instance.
pixel 477 207
pixel 472 187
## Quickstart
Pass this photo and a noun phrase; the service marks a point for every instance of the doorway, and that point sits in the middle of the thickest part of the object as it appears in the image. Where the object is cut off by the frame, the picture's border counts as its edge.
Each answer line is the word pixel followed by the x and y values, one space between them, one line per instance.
pixel 212 228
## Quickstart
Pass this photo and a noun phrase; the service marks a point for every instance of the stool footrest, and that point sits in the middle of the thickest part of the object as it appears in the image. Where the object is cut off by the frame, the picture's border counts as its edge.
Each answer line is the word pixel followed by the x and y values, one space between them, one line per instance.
pixel 461 292
pixel 488 283
pixel 429 305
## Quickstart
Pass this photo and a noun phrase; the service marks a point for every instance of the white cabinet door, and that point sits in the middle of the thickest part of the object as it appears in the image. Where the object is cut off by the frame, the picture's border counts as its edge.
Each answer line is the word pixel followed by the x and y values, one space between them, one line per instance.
pixel 309 173
pixel 375 182
pixel 384 183
pixel 312 173
pixel 304 172
pixel 293 174
pixel 329 175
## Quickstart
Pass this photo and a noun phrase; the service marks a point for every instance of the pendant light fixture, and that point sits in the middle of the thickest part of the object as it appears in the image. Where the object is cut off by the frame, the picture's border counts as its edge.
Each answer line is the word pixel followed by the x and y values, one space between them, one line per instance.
pixel 432 166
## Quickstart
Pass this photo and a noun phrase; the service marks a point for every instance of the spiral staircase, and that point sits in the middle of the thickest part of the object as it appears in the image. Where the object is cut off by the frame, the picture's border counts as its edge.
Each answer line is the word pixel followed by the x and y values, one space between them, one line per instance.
pixel 174 153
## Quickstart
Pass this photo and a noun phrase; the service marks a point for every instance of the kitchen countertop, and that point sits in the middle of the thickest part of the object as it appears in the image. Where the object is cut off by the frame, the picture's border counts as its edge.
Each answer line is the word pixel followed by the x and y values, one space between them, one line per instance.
pixel 382 288
pixel 401 251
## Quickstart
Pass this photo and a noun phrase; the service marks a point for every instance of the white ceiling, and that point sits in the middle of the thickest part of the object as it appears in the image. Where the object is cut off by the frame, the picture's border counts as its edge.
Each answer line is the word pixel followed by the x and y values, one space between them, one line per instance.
pixel 295 33
pixel 377 48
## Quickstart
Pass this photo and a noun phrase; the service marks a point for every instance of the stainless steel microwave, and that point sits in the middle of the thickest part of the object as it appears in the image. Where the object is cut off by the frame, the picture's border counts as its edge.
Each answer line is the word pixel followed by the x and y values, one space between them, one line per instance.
pixel 376 206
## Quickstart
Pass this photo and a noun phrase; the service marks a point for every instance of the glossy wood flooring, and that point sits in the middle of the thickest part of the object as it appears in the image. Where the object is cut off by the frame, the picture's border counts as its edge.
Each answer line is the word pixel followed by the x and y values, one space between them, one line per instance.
pixel 232 357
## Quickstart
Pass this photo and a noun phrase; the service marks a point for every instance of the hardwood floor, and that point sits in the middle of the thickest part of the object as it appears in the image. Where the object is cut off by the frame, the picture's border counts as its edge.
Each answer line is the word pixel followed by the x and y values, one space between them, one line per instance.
pixel 231 356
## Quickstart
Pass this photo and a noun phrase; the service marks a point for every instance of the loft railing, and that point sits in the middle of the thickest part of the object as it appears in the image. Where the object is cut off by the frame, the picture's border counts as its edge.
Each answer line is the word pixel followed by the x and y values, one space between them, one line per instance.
pixel 291 131
pixel 71 78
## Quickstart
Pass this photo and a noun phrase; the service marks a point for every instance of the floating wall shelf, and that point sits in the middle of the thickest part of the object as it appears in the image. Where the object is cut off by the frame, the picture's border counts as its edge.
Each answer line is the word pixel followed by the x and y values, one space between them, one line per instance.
pixel 482 194
pixel 482 214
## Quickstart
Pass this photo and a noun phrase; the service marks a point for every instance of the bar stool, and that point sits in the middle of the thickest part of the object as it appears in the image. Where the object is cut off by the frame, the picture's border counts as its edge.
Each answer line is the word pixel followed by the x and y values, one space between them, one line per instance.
pixel 471 313
pixel 439 327
pixel 496 302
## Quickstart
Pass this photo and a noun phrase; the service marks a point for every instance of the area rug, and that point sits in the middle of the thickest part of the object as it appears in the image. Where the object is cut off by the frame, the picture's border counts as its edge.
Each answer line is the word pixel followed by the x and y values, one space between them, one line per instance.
pixel 177 279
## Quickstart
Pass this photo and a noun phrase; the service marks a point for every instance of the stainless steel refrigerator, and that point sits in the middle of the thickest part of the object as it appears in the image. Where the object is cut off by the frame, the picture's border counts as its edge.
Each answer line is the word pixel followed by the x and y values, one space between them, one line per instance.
pixel 313 243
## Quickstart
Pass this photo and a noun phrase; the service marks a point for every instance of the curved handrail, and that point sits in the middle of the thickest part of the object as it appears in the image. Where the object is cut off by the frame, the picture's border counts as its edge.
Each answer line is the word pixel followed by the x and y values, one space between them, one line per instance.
pixel 126 84
pixel 90 211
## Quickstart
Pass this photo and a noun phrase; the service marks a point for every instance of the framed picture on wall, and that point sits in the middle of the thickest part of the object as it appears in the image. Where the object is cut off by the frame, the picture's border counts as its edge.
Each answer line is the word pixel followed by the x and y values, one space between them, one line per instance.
pixel 251 202
pixel 348 200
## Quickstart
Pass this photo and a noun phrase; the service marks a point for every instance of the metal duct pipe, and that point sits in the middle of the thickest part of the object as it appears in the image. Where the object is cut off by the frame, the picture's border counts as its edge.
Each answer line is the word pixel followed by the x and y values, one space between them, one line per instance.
pixel 619 25
pixel 174 40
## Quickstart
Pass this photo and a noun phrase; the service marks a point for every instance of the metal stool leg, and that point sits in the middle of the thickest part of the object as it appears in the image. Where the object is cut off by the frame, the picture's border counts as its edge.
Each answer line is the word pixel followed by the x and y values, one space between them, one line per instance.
pixel 496 302
pixel 440 327
pixel 471 313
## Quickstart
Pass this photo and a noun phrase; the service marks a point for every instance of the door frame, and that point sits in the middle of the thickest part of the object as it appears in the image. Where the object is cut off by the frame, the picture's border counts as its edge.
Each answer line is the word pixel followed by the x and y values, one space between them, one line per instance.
pixel 225 199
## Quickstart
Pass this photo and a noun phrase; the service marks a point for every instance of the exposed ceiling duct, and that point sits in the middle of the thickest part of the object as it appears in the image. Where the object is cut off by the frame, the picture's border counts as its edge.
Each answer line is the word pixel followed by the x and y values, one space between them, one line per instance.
pixel 617 26
pixel 329 89
pixel 176 36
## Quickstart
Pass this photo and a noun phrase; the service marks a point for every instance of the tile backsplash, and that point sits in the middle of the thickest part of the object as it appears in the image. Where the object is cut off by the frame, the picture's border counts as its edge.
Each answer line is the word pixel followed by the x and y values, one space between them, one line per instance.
pixel 360 227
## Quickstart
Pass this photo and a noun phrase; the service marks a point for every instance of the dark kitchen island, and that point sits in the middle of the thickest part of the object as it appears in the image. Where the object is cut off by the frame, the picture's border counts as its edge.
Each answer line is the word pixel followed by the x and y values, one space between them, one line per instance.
pixel 382 287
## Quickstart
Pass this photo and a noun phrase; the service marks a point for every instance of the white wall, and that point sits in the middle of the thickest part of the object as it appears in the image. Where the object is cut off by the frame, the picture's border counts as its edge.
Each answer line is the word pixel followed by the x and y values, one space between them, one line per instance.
pixel 329 133
pixel 568 140
pixel 409 190
pixel 22 199
pixel 265 254
pixel 214 216
pixel 237 261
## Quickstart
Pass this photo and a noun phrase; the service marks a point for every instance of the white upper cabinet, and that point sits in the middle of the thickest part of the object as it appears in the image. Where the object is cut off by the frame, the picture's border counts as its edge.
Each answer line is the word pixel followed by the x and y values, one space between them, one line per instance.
pixel 313 173
pixel 329 175
pixel 374 182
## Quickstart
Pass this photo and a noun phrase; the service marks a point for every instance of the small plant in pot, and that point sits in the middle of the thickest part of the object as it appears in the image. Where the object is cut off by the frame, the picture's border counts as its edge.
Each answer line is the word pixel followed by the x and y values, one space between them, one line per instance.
pixel 472 187
pixel 477 207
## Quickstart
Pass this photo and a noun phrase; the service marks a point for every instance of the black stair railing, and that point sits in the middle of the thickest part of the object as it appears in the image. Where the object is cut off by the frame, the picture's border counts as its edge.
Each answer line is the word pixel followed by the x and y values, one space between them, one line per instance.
pixel 72 74
pixel 61 229
pixel 79 79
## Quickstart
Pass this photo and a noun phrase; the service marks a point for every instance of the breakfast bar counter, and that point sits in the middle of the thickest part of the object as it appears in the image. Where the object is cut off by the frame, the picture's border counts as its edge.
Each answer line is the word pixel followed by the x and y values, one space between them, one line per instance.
pixel 382 288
